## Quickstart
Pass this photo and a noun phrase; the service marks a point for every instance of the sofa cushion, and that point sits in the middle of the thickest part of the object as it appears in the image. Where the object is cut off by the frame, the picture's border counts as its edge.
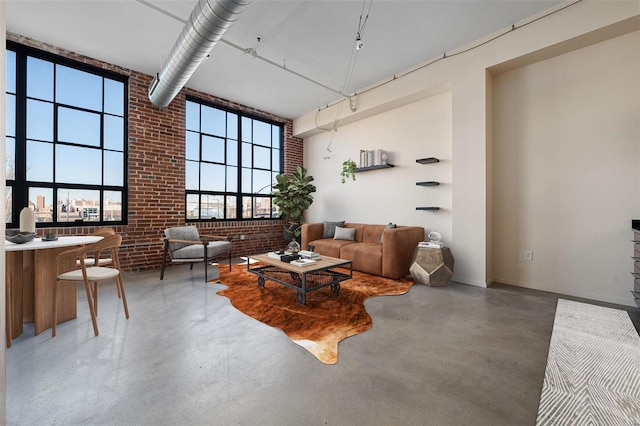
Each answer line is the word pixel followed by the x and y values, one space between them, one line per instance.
pixel 387 226
pixel 189 233
pixel 345 234
pixel 329 246
pixel 196 251
pixel 359 227
pixel 366 257
pixel 329 228
pixel 372 233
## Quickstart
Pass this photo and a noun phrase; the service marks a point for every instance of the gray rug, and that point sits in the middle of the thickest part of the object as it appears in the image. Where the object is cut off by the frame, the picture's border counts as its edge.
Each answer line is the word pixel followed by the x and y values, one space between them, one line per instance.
pixel 593 368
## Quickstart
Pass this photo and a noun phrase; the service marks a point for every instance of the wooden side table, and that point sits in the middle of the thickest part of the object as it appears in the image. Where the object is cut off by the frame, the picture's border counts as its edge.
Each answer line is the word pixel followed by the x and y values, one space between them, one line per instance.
pixel 432 266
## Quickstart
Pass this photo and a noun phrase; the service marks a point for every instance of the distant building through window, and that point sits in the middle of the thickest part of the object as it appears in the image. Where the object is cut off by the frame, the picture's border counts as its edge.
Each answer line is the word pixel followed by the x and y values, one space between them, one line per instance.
pixel 232 160
pixel 66 139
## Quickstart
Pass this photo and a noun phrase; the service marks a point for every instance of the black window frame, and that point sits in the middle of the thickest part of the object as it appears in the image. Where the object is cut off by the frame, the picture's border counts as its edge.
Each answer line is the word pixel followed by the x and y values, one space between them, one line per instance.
pixel 238 195
pixel 20 185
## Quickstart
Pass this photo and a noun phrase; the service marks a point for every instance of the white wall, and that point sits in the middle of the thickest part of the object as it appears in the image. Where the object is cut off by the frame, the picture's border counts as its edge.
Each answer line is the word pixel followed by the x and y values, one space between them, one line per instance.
pixel 566 171
pixel 417 130
pixel 569 29
pixel 3 43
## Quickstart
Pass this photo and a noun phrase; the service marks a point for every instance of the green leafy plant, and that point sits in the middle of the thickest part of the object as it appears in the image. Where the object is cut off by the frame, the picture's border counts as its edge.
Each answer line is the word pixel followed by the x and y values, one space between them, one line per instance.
pixel 348 170
pixel 292 196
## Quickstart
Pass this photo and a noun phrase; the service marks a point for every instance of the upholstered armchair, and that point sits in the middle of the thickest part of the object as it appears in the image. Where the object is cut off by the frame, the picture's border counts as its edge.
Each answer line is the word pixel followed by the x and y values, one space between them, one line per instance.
pixel 184 244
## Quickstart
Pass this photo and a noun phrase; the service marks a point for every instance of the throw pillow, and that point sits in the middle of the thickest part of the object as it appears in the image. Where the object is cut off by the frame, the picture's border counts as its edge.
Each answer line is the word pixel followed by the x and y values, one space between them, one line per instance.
pixel 345 234
pixel 387 226
pixel 329 229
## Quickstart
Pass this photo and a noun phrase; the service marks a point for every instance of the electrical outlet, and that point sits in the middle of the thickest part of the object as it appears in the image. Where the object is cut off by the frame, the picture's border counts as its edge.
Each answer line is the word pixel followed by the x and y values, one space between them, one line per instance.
pixel 528 255
pixel 242 237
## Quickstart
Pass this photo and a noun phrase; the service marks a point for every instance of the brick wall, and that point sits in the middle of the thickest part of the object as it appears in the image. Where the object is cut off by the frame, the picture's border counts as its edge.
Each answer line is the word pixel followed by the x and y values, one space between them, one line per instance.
pixel 156 173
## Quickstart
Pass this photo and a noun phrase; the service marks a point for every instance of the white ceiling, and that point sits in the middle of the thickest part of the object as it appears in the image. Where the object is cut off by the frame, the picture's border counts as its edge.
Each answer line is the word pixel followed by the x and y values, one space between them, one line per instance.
pixel 314 38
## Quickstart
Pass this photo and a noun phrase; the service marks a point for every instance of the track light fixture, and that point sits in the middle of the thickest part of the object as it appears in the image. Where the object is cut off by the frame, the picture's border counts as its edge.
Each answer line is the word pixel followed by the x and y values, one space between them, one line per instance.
pixel 359 43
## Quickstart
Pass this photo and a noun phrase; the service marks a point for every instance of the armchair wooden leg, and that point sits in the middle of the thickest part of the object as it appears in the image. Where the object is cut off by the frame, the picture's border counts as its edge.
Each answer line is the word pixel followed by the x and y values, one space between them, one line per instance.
pixel 164 258
pixel 229 260
pixel 205 266
pixel 205 245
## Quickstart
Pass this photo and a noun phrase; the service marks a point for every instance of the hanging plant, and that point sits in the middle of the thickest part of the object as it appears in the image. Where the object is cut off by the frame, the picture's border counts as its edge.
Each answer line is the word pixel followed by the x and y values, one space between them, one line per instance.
pixel 348 170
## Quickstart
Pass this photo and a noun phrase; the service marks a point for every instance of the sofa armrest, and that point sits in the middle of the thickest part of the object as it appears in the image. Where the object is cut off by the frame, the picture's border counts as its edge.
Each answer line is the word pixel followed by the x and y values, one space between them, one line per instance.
pixel 311 232
pixel 398 248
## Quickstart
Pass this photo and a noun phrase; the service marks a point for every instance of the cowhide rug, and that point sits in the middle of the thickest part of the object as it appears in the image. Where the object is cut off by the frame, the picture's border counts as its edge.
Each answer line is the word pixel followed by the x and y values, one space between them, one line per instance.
pixel 325 319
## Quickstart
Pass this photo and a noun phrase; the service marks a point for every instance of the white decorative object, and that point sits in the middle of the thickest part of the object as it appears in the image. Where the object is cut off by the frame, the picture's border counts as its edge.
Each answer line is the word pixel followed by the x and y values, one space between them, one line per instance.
pixel 434 241
pixel 380 157
pixel 275 255
pixel 303 262
pixel 27 220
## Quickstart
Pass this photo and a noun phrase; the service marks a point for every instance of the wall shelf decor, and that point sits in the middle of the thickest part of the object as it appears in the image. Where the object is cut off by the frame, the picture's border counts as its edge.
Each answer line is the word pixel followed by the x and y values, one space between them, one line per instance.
pixel 428 160
pixel 372 157
pixel 381 166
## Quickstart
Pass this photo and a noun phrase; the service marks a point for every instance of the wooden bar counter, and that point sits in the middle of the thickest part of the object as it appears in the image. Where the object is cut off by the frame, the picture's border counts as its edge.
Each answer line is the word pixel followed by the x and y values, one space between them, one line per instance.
pixel 30 275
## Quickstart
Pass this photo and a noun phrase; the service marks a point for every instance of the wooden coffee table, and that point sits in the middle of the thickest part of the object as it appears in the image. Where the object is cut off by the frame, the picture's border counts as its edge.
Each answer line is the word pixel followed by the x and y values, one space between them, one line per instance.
pixel 303 279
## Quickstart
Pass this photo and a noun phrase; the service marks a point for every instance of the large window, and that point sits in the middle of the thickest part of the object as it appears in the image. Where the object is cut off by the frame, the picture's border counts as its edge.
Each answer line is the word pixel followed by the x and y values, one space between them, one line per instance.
pixel 232 160
pixel 66 140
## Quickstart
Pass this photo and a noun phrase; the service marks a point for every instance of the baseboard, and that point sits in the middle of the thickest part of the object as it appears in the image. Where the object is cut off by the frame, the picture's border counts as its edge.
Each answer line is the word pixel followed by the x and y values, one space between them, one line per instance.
pixel 565 291
pixel 468 281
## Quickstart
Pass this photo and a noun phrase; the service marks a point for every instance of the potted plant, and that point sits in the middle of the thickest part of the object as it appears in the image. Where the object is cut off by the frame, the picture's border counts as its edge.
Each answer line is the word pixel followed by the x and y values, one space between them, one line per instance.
pixel 292 196
pixel 348 170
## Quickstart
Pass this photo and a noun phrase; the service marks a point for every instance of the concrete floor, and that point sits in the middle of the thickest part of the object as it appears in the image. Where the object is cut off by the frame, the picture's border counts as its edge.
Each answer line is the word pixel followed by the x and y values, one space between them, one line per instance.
pixel 435 356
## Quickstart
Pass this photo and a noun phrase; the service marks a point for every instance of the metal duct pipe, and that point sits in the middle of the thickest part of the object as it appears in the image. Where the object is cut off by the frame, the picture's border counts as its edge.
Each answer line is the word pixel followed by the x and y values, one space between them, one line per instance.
pixel 207 24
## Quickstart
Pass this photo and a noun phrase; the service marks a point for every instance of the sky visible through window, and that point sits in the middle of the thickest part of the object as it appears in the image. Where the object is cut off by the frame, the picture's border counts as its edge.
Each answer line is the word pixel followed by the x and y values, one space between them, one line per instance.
pixel 66 151
pixel 73 140
pixel 230 158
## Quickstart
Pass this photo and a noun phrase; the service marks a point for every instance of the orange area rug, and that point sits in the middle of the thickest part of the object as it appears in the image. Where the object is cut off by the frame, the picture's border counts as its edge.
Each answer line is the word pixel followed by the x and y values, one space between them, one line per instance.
pixel 326 318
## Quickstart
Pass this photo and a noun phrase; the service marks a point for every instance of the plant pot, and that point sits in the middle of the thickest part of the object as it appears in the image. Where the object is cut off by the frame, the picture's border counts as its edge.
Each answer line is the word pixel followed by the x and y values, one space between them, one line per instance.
pixel 289 233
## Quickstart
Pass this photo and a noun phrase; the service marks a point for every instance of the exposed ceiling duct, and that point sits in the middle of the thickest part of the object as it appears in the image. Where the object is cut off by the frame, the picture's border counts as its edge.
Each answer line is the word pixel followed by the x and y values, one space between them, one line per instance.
pixel 207 24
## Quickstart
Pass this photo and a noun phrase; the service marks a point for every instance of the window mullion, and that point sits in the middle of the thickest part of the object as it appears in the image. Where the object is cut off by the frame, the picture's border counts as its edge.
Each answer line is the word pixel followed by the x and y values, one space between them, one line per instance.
pixel 44 188
pixel 253 169
pixel 239 150
pixel 20 191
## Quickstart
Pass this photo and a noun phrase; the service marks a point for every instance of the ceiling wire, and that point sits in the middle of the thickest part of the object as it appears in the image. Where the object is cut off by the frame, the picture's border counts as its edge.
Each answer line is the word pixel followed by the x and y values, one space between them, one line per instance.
pixel 345 96
pixel 362 24
pixel 281 24
pixel 252 51
pixel 354 52
pixel 445 56
pixel 161 10
pixel 355 49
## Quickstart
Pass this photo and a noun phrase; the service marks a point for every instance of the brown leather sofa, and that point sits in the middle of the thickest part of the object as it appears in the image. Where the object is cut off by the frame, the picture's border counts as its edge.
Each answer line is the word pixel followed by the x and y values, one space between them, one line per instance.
pixel 374 250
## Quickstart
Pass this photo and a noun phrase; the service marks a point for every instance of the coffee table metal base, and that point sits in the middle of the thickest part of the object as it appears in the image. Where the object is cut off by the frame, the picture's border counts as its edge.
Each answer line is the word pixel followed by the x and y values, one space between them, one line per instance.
pixel 305 281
